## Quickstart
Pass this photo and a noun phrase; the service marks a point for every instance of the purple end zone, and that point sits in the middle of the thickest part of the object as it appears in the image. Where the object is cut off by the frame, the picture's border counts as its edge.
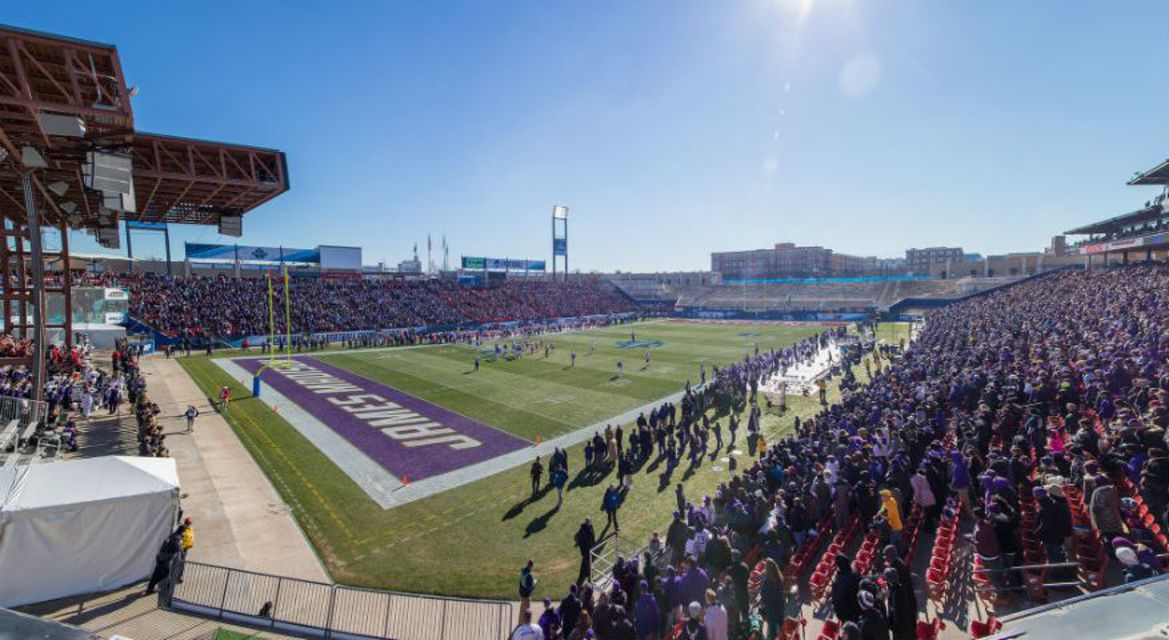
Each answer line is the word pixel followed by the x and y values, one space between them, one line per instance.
pixel 404 434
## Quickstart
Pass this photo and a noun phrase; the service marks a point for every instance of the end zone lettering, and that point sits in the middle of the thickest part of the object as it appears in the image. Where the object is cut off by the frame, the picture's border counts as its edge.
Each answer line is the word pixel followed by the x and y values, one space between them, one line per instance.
pixel 402 433
pixel 392 419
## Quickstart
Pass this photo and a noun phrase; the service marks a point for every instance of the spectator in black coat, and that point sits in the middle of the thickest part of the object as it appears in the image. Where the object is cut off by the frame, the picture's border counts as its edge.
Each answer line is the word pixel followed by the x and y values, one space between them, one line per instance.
pixel 873 624
pixel 902 606
pixel 585 540
pixel 1054 523
pixel 844 591
pixel 569 611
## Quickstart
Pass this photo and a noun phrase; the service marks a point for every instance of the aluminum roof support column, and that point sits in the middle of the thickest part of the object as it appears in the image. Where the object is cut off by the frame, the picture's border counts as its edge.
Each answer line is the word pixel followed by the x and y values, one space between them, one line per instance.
pixel 37 288
pixel 67 284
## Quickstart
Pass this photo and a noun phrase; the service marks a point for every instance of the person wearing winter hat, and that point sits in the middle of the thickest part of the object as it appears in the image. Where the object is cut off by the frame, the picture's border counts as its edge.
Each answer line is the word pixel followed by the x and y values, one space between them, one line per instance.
pixel 873 623
pixel 647 614
pixel 1054 522
pixel 694 628
pixel 1133 568
pixel 549 620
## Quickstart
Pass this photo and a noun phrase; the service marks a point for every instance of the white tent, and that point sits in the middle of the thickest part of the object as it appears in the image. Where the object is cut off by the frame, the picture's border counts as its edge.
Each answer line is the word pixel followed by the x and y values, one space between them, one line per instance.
pixel 82 526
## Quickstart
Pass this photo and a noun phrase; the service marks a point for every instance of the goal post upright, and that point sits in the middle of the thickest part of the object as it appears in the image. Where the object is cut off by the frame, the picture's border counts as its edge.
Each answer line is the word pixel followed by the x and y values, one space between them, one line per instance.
pixel 271 322
pixel 287 318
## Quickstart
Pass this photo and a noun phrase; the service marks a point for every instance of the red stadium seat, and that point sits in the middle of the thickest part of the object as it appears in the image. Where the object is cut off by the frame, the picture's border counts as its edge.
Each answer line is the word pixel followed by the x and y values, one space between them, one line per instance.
pixel 791 628
pixel 983 629
pixel 930 630
pixel 830 630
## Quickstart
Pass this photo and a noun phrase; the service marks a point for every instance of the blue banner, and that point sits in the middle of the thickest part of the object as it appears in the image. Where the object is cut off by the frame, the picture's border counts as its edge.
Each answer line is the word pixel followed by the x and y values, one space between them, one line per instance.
pixel 246 253
pixel 560 246
pixel 146 226
pixel 502 264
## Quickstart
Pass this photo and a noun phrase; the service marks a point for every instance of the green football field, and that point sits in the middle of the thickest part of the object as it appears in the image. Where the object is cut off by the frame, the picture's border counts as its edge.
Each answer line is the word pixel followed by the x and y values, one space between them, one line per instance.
pixel 536 396
pixel 472 540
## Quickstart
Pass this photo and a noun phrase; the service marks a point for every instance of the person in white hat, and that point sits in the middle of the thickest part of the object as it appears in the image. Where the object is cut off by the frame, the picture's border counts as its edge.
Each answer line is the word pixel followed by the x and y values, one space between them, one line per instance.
pixel 695 628
pixel 1133 568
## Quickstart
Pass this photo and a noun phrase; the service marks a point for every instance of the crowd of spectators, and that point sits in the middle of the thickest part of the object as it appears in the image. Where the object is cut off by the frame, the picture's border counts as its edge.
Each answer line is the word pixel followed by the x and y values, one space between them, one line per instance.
pixel 228 307
pixel 76 389
pixel 1005 403
pixel 68 372
pixel 11 347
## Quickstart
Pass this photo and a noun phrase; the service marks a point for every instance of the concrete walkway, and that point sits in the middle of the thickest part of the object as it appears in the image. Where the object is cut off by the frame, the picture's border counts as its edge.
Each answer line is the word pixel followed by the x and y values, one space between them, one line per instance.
pixel 239 519
pixel 131 615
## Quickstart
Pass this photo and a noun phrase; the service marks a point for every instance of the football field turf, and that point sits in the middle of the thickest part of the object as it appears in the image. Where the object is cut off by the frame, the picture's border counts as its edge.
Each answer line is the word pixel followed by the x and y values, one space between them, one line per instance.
pixel 533 396
pixel 472 540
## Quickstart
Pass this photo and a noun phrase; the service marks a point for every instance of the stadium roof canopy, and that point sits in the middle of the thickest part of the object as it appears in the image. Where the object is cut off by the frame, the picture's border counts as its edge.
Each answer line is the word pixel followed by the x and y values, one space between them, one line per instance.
pixel 65 113
pixel 70 159
pixel 1118 223
pixel 1158 175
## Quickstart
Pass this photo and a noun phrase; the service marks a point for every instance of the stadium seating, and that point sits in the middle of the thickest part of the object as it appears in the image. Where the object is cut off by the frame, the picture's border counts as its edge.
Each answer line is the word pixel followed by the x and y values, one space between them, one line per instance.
pixel 225 307
pixel 830 295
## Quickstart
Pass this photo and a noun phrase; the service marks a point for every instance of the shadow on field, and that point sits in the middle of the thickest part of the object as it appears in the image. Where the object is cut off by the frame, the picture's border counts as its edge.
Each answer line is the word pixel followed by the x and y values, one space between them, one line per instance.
pixel 540 522
pixel 589 477
pixel 519 507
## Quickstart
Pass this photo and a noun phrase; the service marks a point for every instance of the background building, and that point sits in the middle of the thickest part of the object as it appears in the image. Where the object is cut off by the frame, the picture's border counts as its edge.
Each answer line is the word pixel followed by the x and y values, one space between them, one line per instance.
pixel 919 261
pixel 786 260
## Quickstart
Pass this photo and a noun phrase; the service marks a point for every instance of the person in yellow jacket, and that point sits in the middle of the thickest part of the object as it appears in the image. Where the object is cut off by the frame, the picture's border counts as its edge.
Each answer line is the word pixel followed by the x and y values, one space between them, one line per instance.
pixel 892 514
pixel 186 534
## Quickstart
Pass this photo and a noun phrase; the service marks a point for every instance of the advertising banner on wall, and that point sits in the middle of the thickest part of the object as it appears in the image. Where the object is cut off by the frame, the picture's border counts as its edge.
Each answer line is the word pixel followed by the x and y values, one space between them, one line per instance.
pixel 246 253
pixel 502 264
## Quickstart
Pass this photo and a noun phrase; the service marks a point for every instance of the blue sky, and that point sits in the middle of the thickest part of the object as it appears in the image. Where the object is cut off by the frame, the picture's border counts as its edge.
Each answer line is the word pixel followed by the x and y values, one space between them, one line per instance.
pixel 670 129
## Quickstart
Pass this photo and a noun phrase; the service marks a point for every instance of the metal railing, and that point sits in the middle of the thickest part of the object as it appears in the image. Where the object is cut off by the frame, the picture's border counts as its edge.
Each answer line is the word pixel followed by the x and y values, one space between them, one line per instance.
pixel 23 410
pixel 1033 580
pixel 604 555
pixel 332 611
pixel 20 419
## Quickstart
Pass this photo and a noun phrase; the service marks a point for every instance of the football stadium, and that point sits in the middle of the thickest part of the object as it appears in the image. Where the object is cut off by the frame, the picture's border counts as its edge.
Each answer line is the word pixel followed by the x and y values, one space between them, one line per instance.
pixel 207 434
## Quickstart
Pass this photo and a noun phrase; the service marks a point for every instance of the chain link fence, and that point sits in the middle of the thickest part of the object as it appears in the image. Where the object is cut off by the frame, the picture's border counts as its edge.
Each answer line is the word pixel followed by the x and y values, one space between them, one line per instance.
pixel 331 611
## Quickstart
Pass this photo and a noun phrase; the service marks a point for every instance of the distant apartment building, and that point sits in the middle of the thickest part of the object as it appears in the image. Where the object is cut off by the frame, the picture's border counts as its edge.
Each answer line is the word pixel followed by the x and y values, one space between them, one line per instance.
pixel 890 267
pixel 786 260
pixel 919 261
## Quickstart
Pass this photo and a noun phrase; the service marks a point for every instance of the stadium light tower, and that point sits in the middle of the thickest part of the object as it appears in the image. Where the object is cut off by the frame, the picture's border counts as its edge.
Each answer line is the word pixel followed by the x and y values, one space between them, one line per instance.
pixel 559 237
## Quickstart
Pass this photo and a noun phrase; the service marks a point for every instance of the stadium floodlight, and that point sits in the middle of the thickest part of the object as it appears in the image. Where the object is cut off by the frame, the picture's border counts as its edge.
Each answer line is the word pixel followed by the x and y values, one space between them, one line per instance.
pixel 60 124
pixel 59 187
pixel 32 158
pixel 68 207
pixel 560 212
